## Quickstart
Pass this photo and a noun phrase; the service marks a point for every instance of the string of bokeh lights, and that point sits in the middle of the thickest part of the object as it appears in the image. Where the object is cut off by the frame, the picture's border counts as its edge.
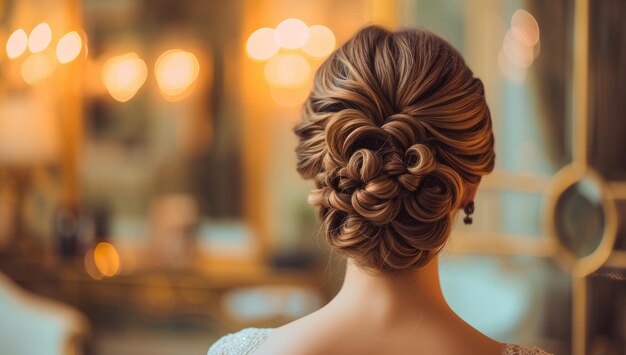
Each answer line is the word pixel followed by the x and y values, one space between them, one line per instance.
pixel 288 52
pixel 520 46
pixel 176 71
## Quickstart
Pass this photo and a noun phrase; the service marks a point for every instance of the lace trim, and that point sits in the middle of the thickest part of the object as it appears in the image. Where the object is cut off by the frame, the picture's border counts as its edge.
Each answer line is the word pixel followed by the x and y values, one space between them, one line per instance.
pixel 242 342
pixel 513 349
pixel 247 340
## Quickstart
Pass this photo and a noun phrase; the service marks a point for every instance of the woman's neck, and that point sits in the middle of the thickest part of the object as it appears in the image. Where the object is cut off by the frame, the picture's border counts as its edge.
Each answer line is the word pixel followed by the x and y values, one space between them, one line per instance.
pixel 390 296
pixel 383 313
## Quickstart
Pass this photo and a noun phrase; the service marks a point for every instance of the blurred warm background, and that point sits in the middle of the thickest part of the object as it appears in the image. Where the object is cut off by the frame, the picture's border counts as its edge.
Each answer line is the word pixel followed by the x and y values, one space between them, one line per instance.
pixel 149 201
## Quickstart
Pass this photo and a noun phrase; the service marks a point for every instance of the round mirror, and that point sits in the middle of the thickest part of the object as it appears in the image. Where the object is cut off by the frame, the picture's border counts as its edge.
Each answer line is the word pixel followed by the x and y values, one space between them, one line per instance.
pixel 579 218
pixel 582 217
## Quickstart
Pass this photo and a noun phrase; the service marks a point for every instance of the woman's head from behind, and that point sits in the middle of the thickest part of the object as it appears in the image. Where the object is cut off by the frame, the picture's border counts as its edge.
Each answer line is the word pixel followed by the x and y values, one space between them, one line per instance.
pixel 395 133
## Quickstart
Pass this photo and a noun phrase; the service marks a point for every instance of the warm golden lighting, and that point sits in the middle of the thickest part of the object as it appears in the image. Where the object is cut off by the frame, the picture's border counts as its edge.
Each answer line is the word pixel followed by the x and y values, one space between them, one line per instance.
pixel 39 38
pixel 176 71
pixel 261 44
pixel 69 47
pixel 517 52
pixel 107 259
pixel 520 46
pixel 124 75
pixel 290 97
pixel 525 28
pixel 90 265
pixel 321 41
pixel 287 70
pixel 291 33
pixel 511 71
pixel 36 68
pixel 17 43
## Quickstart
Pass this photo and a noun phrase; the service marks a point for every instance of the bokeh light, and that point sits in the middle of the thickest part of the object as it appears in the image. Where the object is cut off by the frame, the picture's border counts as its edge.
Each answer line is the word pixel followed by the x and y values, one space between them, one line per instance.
pixel 321 41
pixel 287 70
pixel 510 71
pixel 17 43
pixel 39 38
pixel 520 46
pixel 69 47
pixel 290 97
pixel 517 52
pixel 107 259
pixel 292 33
pixel 90 265
pixel 262 44
pixel 176 71
pixel 524 27
pixel 36 68
pixel 123 75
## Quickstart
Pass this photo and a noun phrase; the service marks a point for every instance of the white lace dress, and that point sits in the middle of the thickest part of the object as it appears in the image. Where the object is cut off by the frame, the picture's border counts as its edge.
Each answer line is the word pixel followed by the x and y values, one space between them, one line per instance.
pixel 245 341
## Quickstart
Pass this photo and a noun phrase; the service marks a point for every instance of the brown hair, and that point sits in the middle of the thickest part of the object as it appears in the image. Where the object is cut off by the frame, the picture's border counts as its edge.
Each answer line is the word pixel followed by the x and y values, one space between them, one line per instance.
pixel 394 130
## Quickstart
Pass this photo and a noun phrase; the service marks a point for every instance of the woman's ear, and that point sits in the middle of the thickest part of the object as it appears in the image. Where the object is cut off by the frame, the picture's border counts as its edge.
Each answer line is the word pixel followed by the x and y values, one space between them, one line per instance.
pixel 470 194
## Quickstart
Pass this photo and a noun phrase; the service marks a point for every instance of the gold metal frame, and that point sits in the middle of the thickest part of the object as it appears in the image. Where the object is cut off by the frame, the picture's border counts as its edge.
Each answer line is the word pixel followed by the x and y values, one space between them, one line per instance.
pixel 565 178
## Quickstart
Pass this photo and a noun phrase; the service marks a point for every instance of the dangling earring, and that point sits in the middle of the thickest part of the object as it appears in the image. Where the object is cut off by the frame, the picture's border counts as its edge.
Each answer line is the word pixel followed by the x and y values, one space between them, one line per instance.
pixel 468 209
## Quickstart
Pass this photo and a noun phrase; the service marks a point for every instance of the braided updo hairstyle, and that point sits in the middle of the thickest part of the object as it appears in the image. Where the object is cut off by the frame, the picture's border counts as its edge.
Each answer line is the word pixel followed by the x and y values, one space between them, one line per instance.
pixel 395 129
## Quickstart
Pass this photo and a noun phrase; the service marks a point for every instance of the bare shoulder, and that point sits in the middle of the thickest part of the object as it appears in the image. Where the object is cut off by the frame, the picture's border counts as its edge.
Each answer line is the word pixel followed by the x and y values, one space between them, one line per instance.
pixel 300 337
pixel 318 334
pixel 309 336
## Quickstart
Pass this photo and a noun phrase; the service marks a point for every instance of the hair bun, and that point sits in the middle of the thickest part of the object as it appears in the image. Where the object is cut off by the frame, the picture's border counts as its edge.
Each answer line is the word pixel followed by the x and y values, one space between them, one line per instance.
pixel 420 162
pixel 395 127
